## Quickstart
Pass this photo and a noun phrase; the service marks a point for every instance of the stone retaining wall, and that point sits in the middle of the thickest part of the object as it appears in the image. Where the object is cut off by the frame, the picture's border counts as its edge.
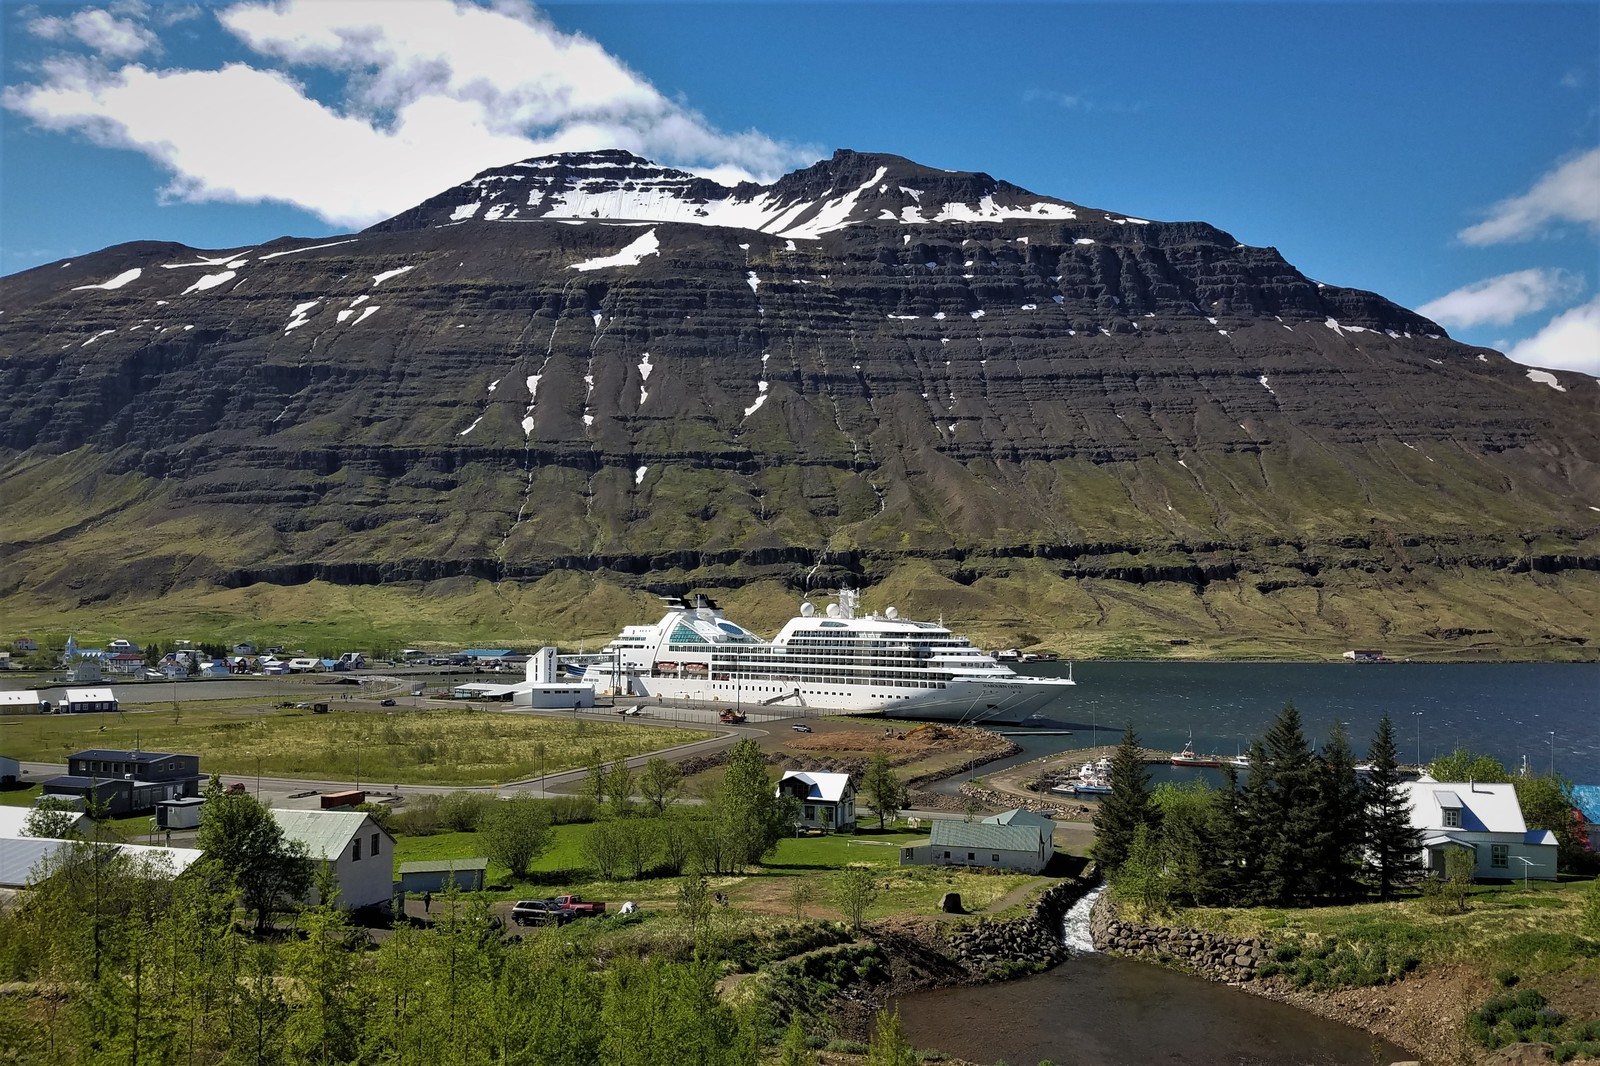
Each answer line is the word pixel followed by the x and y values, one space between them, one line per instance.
pixel 1221 958
pixel 1001 949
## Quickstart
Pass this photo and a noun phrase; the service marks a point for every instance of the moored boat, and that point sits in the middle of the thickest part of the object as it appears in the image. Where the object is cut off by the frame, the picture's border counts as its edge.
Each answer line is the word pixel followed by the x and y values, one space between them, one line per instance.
pixel 1187 757
pixel 832 660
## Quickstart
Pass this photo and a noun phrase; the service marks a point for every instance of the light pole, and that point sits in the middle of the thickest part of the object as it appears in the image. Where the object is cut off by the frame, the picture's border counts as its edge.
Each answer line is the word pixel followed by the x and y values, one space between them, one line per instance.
pixel 1552 753
pixel 1418 716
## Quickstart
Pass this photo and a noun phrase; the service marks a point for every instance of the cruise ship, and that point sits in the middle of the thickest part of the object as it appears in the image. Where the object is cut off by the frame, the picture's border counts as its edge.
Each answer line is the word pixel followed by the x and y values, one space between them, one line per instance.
pixel 832 661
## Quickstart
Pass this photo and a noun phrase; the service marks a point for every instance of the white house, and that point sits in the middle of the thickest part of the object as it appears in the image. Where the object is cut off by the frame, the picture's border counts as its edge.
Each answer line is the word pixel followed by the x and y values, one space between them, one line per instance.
pixel 1011 840
pixel 362 854
pixel 827 801
pixel 21 701
pixel 1485 819
pixel 79 700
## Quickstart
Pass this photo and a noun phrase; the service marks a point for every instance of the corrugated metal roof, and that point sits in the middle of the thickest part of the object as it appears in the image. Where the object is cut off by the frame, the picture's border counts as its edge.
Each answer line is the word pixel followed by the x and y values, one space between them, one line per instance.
pixel 20 857
pixel 89 695
pixel 21 698
pixel 443 866
pixel 820 786
pixel 1491 808
pixel 986 836
pixel 325 833
pixel 1587 797
pixel 1018 816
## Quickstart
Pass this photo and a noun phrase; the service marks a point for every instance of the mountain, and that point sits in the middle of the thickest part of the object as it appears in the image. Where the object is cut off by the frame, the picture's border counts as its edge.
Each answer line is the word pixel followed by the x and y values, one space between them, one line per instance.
pixel 576 380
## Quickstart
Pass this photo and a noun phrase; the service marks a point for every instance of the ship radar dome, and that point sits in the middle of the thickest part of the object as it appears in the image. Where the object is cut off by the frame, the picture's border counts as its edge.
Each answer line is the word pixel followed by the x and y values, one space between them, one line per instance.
pixel 892 613
pixel 833 610
pixel 807 610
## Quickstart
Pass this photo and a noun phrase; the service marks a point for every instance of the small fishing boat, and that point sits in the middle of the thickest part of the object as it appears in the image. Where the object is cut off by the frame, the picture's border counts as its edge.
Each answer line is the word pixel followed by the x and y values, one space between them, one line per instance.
pixel 1187 757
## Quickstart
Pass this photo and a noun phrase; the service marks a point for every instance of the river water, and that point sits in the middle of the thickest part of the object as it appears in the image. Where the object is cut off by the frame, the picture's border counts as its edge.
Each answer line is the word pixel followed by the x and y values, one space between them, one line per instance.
pixel 1548 713
pixel 1118 1012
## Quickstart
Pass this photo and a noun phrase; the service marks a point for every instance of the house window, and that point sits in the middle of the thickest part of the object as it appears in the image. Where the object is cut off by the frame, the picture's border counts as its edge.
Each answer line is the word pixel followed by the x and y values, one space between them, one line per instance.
pixel 811 813
pixel 971 857
pixel 947 854
pixel 994 857
pixel 374 843
pixel 1452 817
pixel 1500 856
pixel 355 850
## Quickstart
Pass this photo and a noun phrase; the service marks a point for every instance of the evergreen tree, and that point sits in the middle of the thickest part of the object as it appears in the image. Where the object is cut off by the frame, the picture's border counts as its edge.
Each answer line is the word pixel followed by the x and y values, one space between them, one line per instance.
pixel 1127 807
pixel 889 1045
pixel 1394 847
pixel 1281 813
pixel 796 1051
pixel 1340 822
pixel 1232 874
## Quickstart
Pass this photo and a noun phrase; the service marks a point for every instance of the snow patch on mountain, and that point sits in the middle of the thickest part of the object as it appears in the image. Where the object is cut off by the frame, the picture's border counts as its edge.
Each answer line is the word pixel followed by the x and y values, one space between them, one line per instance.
pixel 631 254
pixel 379 279
pixel 115 283
pixel 211 281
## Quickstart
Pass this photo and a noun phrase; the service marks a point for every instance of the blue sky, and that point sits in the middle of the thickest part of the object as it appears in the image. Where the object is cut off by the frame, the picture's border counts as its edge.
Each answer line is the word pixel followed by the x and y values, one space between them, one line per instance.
pixel 1444 155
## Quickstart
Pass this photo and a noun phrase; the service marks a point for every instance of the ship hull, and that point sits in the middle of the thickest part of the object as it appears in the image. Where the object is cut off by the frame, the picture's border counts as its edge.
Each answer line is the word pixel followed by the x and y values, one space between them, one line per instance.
pixel 1001 702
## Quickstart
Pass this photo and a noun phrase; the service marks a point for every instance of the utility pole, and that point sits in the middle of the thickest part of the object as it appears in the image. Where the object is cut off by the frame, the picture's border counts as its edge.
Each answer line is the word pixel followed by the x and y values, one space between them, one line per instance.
pixel 1418 716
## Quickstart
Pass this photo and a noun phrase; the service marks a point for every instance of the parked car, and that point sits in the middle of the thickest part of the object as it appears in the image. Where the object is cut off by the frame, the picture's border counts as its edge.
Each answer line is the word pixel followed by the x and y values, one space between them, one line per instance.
pixel 540 912
pixel 579 906
pixel 386 703
pixel 799 727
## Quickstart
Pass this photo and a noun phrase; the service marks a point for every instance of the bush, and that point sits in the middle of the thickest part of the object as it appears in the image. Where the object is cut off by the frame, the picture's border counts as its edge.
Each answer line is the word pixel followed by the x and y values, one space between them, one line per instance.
pixel 461 811
pixel 1515 1017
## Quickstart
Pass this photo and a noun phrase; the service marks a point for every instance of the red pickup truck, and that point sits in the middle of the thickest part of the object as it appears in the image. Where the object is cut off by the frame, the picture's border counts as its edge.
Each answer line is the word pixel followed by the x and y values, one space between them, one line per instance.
pixel 583 908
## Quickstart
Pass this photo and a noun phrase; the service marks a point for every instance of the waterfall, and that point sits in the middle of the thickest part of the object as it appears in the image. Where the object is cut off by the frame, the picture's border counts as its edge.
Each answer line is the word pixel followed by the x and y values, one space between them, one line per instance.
pixel 1075 925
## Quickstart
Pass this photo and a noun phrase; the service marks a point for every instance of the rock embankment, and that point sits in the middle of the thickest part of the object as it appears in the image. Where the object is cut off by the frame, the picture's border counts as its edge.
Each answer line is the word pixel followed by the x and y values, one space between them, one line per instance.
pixel 996 950
pixel 1221 958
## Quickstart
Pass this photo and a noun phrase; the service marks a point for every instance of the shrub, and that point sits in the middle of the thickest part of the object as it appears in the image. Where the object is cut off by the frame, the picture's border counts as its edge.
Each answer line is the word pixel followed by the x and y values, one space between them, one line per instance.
pixel 461 811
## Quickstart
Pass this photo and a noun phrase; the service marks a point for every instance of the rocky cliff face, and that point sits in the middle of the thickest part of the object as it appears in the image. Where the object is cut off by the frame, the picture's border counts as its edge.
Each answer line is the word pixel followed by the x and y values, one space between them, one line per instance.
pixel 595 363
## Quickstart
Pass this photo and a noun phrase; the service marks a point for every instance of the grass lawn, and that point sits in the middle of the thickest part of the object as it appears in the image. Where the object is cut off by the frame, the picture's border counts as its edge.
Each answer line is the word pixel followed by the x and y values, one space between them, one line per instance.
pixel 1505 927
pixel 448 746
pixel 903 890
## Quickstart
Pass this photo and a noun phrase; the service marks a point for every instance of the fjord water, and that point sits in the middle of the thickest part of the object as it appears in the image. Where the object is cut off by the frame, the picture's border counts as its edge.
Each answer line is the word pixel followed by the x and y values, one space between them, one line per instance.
pixel 1118 1012
pixel 1548 712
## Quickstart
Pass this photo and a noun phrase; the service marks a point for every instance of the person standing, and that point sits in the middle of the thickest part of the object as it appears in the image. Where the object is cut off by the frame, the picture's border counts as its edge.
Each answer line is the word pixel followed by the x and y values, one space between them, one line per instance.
pixel 427 902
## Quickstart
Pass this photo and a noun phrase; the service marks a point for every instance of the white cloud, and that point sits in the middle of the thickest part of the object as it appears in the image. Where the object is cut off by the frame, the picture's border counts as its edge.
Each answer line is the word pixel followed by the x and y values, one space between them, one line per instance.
pixel 108 35
pixel 1503 299
pixel 1568 193
pixel 433 91
pixel 1570 342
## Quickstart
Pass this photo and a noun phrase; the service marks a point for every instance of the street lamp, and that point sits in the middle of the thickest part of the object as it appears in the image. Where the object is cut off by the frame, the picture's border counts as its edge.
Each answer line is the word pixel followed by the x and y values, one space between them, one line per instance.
pixel 1552 753
pixel 1418 716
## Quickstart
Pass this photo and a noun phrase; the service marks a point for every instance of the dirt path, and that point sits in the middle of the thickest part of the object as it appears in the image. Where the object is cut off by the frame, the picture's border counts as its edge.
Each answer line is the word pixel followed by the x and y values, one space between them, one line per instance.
pixel 1015 896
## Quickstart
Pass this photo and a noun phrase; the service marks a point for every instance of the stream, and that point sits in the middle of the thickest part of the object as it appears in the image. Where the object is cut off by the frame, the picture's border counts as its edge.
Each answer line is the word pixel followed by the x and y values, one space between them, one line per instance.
pixel 1105 1011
